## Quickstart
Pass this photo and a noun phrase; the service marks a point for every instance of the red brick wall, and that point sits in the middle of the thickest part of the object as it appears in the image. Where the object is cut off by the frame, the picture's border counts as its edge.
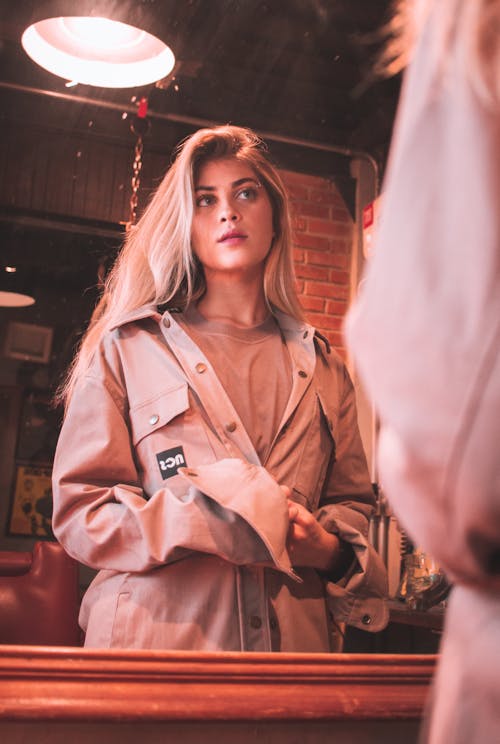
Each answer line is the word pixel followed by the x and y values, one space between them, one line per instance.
pixel 323 234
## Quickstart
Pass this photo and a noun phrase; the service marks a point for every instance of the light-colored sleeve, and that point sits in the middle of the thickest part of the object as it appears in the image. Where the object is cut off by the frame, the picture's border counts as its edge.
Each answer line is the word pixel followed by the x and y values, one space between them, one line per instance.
pixel 103 518
pixel 425 330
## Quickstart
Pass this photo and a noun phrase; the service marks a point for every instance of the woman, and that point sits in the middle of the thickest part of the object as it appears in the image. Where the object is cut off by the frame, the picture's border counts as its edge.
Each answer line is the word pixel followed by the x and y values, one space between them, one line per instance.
pixel 209 463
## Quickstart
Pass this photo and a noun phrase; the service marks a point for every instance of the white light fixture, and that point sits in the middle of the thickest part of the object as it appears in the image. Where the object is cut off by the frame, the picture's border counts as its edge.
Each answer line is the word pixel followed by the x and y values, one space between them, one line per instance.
pixel 98 51
pixel 13 288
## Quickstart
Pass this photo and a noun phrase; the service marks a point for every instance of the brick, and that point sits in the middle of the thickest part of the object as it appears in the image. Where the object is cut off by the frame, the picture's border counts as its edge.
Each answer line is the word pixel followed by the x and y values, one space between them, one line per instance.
pixel 341 246
pixel 320 289
pixel 293 178
pixel 299 223
pixel 340 213
pixel 297 192
pixel 328 322
pixel 298 255
pixel 339 277
pixel 329 228
pixel 341 292
pixel 325 289
pixel 312 303
pixel 336 307
pixel 305 271
pixel 344 229
pixel 326 258
pixel 322 196
pixel 312 241
pixel 307 209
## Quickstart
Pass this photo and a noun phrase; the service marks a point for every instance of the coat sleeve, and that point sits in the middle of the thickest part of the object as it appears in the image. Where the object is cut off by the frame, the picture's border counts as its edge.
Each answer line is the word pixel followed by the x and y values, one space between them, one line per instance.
pixel 103 518
pixel 345 507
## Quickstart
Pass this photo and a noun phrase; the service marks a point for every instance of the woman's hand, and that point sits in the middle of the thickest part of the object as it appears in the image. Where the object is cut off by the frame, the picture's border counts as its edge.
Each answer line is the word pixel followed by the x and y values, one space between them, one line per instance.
pixel 308 543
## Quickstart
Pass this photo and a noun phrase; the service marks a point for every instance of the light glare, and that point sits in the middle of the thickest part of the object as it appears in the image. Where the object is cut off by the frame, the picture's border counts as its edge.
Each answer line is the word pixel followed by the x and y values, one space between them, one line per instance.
pixel 101 33
pixel 98 51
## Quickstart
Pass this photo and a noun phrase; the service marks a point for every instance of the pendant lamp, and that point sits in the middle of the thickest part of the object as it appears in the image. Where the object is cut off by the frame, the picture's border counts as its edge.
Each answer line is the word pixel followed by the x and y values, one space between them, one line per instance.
pixel 14 288
pixel 105 44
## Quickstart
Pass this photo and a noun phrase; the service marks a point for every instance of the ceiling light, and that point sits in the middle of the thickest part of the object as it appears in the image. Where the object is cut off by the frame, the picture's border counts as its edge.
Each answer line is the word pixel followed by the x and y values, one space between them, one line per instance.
pixel 98 51
pixel 14 291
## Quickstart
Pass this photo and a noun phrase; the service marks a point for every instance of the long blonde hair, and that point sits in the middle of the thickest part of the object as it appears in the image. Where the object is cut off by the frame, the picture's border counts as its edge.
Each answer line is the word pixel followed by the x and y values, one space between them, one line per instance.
pixel 156 264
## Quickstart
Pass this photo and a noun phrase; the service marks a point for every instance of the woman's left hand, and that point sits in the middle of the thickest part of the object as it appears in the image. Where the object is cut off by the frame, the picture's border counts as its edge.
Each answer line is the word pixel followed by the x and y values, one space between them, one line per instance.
pixel 308 543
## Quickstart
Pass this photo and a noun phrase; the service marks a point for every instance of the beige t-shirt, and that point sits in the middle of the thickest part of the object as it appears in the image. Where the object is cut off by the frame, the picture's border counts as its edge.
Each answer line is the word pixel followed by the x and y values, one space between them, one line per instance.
pixel 254 368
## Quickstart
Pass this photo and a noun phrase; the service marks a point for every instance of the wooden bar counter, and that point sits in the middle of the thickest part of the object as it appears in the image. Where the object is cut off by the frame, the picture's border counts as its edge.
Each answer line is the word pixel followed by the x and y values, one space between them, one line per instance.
pixel 78 696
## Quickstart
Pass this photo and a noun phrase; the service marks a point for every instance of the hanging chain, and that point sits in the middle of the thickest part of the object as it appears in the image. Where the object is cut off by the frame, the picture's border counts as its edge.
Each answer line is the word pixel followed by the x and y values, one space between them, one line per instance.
pixel 136 182
pixel 140 127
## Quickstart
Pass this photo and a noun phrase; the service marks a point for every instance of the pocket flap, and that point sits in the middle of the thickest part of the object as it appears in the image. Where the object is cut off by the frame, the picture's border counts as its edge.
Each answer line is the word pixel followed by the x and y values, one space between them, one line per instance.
pixel 156 412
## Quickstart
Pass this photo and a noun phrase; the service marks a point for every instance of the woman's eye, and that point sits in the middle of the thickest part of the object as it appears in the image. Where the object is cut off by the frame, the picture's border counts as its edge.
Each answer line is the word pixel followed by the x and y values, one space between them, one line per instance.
pixel 249 193
pixel 205 200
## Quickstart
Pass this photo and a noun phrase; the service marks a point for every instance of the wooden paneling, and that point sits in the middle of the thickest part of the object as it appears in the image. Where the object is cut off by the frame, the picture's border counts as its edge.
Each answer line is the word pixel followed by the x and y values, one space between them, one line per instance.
pixel 70 173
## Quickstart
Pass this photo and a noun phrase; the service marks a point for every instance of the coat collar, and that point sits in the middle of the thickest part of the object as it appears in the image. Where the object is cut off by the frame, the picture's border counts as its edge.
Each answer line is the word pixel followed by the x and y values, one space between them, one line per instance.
pixel 145 311
pixel 286 322
pixel 299 335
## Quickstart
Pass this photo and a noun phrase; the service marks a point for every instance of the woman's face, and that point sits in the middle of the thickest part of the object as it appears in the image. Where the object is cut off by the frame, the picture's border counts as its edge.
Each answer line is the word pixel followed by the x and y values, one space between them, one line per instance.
pixel 232 227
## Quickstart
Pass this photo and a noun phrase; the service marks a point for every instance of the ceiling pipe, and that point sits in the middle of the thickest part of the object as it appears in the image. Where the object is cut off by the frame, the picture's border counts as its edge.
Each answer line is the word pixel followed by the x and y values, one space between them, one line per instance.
pixel 198 122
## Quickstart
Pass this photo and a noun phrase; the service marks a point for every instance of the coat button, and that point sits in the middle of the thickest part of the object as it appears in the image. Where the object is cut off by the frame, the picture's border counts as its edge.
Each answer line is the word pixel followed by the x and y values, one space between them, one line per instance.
pixel 231 426
pixel 366 619
pixel 306 334
pixel 255 622
pixel 302 373
pixel 201 368
pixel 154 419
pixel 166 322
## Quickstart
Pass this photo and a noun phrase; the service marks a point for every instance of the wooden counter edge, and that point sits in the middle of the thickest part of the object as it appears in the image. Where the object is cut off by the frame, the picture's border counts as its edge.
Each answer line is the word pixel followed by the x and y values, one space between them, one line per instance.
pixel 73 684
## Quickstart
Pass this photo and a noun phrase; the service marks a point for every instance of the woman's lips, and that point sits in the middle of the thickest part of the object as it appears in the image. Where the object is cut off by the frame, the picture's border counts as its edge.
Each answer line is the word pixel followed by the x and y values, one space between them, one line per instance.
pixel 234 235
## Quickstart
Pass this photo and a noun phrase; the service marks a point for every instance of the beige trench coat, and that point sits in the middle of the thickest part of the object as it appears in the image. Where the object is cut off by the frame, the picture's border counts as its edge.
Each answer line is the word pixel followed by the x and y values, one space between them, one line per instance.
pixel 425 334
pixel 157 484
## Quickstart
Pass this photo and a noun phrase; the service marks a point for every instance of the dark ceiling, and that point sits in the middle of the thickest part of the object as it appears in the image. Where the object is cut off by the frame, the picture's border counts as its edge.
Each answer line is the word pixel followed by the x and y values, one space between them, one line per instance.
pixel 299 69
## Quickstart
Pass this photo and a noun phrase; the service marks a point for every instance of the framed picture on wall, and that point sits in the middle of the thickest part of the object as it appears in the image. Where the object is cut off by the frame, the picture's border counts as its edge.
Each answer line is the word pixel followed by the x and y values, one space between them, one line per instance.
pixel 28 342
pixel 31 502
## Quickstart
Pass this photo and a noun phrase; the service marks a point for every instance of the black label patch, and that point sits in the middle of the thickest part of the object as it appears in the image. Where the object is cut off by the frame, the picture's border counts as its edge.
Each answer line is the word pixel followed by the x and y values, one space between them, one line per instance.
pixel 170 460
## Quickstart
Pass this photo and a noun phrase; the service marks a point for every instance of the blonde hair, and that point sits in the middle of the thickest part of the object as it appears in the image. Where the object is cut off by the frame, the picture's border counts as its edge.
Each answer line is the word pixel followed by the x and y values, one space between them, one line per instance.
pixel 156 264
pixel 472 24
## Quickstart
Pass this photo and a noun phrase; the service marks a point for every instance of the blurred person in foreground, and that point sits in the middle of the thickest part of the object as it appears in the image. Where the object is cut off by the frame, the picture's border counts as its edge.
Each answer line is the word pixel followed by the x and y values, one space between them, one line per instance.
pixel 425 335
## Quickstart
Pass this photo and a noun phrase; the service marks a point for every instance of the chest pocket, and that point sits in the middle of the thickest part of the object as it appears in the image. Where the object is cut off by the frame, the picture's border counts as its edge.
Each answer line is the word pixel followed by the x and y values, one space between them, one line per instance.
pixel 168 431
pixel 157 412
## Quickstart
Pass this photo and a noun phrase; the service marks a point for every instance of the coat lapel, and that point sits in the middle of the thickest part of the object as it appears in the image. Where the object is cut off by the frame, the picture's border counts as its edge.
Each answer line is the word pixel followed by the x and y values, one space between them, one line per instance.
pixel 299 338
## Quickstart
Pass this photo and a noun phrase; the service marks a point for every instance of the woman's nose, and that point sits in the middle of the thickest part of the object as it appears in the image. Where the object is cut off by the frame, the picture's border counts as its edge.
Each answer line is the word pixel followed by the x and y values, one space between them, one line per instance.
pixel 229 213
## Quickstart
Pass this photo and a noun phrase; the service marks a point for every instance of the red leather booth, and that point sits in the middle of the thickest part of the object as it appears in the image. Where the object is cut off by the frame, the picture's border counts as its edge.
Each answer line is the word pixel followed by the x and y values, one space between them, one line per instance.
pixel 39 597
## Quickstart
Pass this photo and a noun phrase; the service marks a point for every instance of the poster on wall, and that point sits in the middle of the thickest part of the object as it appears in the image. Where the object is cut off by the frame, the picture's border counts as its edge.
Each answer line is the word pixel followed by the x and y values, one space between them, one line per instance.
pixel 31 505
pixel 30 509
